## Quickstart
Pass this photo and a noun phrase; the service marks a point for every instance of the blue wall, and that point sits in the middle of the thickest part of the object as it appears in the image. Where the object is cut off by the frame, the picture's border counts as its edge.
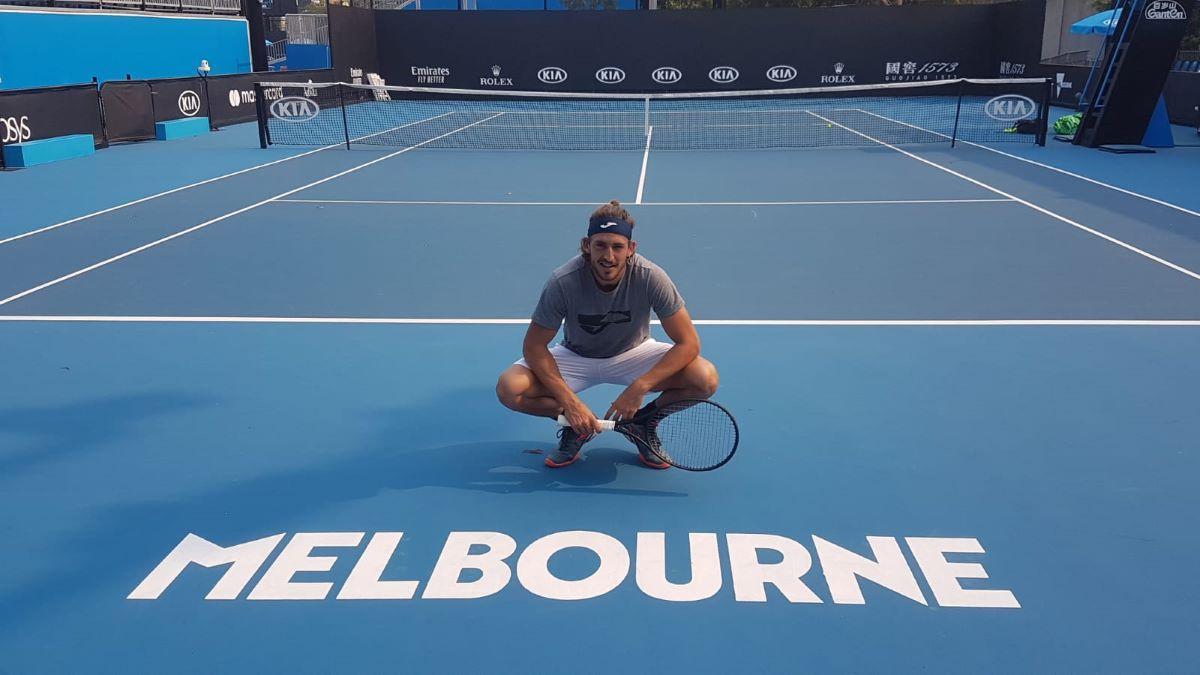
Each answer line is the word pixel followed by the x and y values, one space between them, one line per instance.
pixel 47 48
pixel 307 57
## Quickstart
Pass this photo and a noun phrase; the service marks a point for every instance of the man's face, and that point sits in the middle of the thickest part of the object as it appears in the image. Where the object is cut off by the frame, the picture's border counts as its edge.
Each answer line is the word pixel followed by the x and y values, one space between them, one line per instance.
pixel 608 254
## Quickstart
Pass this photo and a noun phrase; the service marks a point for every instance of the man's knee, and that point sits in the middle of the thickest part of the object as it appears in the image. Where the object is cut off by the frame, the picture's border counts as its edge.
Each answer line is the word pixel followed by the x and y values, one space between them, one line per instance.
pixel 710 379
pixel 509 389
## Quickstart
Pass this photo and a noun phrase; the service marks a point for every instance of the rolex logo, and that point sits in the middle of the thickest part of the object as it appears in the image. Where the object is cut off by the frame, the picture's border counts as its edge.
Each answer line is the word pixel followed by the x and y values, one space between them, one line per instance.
pixel 495 71
pixel 838 68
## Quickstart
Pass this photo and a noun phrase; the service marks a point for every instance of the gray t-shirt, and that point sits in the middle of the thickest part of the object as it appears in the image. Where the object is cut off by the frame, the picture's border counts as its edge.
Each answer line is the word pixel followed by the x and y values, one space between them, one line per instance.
pixel 599 324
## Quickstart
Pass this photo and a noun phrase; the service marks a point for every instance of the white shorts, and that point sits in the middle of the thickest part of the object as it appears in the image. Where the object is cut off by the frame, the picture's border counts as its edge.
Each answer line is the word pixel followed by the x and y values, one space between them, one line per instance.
pixel 580 372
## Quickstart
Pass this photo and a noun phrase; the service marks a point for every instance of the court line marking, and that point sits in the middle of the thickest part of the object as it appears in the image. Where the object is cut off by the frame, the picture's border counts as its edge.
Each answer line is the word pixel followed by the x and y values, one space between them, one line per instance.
pixel 522 322
pixel 1035 207
pixel 402 202
pixel 161 194
pixel 1046 166
pixel 244 209
pixel 645 161
pixel 197 184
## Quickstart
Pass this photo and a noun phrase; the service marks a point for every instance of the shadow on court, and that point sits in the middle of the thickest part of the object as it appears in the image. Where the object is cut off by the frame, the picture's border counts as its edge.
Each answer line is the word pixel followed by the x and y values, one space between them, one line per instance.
pixel 397 452
pixel 62 432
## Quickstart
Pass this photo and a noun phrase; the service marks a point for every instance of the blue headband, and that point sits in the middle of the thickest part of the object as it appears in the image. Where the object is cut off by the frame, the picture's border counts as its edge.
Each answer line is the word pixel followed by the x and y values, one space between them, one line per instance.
pixel 602 224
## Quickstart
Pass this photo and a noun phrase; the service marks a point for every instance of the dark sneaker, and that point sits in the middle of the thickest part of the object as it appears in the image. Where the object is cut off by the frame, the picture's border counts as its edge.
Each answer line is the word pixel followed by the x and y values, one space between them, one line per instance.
pixel 569 444
pixel 645 453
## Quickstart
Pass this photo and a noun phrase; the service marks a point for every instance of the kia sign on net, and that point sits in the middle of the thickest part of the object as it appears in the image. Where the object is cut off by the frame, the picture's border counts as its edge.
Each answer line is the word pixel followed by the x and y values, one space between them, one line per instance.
pixel 294 109
pixel 1010 108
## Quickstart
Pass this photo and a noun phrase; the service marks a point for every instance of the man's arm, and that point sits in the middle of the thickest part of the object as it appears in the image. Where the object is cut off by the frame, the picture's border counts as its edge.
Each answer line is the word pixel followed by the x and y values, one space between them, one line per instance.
pixel 544 367
pixel 682 331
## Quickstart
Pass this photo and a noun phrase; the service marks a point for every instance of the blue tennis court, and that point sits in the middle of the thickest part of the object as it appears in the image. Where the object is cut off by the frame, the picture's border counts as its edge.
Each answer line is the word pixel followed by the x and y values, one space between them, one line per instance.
pixel 249 419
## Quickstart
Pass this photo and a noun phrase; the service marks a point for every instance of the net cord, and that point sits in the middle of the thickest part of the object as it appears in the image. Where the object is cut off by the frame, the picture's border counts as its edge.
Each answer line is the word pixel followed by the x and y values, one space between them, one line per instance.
pixel 745 93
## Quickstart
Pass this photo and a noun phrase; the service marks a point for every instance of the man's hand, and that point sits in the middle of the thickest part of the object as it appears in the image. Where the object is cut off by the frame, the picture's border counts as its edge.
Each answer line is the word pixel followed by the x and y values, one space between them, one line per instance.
pixel 582 420
pixel 627 404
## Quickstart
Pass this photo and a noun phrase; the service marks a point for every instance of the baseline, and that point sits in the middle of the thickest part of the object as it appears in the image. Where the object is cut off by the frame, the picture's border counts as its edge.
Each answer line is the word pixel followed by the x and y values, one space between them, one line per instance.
pixel 206 223
pixel 414 202
pixel 979 323
pixel 1035 207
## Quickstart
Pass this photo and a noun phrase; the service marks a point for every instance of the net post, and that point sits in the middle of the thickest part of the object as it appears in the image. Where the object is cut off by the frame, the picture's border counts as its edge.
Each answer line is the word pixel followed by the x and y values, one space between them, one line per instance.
pixel 646 117
pixel 264 135
pixel 345 121
pixel 1044 118
pixel 957 112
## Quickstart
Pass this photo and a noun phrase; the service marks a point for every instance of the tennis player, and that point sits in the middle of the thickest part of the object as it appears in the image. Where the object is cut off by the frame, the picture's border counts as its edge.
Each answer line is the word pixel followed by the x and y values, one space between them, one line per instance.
pixel 604 296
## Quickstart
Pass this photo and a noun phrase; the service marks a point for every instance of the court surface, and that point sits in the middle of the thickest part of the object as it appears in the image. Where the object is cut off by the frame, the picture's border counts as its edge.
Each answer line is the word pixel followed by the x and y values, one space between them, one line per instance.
pixel 986 366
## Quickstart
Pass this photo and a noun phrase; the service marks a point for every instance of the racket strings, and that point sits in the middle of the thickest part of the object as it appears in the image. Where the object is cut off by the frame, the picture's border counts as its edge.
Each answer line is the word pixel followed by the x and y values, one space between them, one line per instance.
pixel 696 435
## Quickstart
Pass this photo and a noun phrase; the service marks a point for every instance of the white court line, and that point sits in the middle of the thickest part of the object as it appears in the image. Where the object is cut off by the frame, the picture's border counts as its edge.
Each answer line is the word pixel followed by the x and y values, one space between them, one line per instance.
pixel 645 161
pixel 1045 166
pixel 1031 205
pixel 402 202
pixel 198 184
pixel 162 194
pixel 983 323
pixel 206 223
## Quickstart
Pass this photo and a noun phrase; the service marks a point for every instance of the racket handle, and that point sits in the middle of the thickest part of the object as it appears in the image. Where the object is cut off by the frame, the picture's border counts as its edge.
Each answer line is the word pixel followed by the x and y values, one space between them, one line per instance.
pixel 606 425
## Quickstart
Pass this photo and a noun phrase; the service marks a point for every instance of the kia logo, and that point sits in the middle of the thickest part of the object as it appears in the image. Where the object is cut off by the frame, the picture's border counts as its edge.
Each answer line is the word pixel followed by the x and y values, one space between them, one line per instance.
pixel 553 75
pixel 723 74
pixel 610 75
pixel 1010 108
pixel 294 109
pixel 781 73
pixel 666 75
pixel 189 103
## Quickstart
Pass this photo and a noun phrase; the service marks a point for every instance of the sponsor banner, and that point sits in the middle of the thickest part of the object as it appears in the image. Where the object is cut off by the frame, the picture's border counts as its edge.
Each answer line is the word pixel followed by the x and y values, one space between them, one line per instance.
pixel 180 98
pixel 707 51
pixel 610 75
pixel 1165 10
pixel 34 114
pixel 1010 108
pixel 666 75
pixel 840 75
pixel 232 98
pixel 496 78
pixel 552 75
pixel 427 75
pixel 352 43
pixel 921 71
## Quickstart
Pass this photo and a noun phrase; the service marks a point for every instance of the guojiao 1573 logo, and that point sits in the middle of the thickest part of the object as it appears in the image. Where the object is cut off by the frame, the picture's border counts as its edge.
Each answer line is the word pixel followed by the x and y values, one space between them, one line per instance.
pixel 294 109
pixel 1169 10
pixel 1010 108
pixel 15 129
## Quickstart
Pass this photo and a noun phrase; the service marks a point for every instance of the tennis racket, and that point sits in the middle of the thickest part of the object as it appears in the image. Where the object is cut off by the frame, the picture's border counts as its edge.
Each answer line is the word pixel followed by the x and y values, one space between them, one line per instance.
pixel 692 434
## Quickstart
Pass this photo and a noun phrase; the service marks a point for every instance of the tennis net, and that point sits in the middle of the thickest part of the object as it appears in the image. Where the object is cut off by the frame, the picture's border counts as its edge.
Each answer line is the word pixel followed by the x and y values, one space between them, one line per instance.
pixel 984 111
